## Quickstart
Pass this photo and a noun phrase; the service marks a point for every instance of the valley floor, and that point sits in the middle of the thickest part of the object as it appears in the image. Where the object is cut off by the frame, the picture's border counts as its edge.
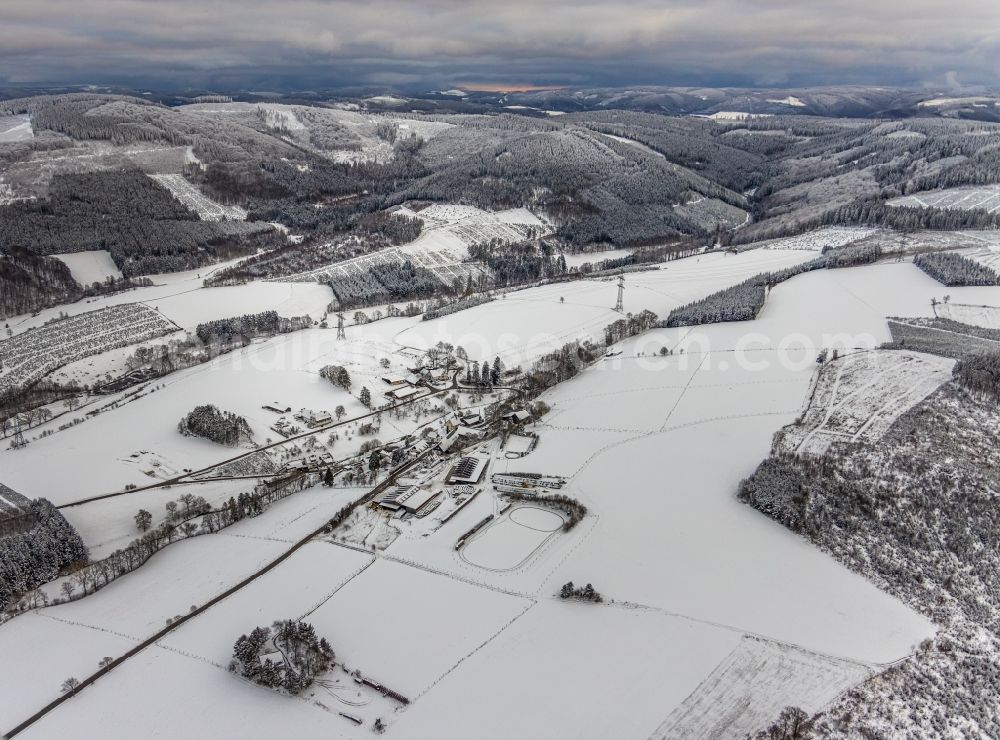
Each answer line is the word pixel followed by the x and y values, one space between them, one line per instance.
pixel 714 616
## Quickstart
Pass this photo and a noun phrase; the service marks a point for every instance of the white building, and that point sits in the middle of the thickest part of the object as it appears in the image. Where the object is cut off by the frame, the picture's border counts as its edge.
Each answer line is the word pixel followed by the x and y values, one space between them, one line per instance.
pixel 402 393
pixel 408 498
pixel 316 418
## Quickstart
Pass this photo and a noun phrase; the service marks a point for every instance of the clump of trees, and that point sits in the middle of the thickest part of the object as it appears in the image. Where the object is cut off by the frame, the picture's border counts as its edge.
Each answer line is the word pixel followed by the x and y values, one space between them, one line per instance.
pixel 485 375
pixel 792 724
pixel 575 511
pixel 979 372
pixel 241 329
pixel 852 255
pixel 586 593
pixel 778 488
pixel 476 299
pixel 741 302
pixel 287 656
pixel 35 555
pixel 336 374
pixel 630 326
pixel 222 427
pixel 555 367
pixel 952 269
pixel 515 264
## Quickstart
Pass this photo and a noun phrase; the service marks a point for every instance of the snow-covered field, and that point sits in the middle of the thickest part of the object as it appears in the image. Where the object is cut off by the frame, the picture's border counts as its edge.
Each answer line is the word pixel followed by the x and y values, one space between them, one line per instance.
pixel 16 128
pixel 188 309
pixel 988 255
pixel 206 208
pixel 859 396
pixel 726 704
pixel 97 457
pixel 715 617
pixel 985 316
pixel 90 267
pixel 528 323
pixel 962 198
pixel 575 260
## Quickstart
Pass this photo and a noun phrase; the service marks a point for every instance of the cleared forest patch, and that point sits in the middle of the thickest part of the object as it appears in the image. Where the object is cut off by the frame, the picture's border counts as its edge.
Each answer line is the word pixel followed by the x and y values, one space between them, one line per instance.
pixel 858 397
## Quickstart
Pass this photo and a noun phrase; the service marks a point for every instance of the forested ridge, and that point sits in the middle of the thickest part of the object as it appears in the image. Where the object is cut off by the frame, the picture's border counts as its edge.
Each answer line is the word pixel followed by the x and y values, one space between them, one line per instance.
pixel 620 177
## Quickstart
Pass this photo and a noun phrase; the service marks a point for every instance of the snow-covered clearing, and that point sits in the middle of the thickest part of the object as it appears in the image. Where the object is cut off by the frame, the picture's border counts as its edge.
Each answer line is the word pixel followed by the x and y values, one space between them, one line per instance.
pixel 528 323
pixel 961 198
pixel 581 258
pixel 989 254
pixel 859 396
pixel 791 100
pixel 985 316
pixel 817 241
pixel 206 208
pixel 941 102
pixel 90 267
pixel 636 144
pixel 443 245
pixel 16 128
pixel 751 686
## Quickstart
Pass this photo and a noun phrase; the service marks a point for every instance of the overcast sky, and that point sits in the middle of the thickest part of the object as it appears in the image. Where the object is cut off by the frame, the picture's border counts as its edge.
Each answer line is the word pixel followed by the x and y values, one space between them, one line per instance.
pixel 433 43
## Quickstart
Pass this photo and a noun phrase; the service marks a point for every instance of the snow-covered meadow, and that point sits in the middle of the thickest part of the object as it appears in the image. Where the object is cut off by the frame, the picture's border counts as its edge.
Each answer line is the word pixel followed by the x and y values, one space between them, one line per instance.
pixel 90 267
pixel 525 324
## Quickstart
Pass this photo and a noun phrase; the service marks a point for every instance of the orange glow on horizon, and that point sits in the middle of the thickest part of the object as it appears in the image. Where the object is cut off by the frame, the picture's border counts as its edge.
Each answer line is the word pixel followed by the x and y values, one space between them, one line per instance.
pixel 499 87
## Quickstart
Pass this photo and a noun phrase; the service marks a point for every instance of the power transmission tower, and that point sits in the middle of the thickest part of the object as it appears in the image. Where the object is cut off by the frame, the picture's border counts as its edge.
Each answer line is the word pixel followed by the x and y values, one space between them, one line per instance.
pixel 620 305
pixel 341 334
pixel 19 440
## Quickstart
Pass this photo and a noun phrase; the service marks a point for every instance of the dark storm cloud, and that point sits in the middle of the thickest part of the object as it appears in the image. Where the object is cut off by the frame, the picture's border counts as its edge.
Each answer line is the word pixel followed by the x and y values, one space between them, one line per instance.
pixel 436 42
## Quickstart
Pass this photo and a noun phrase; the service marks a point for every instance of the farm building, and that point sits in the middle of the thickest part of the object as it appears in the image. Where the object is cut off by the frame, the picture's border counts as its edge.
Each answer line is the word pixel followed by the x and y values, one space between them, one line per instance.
pixel 472 419
pixel 393 380
pixel 401 394
pixel 277 407
pixel 469 469
pixel 457 436
pixel 517 417
pixel 409 498
pixel 435 375
pixel 316 418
